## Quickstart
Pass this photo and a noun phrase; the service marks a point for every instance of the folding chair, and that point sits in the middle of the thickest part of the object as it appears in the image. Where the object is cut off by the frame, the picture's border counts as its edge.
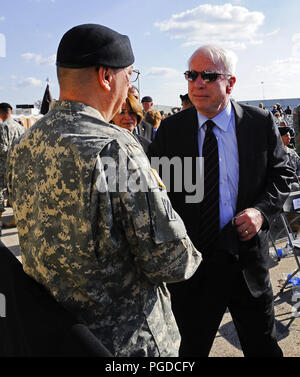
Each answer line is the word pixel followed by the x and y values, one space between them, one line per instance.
pixel 32 323
pixel 274 247
pixel 292 206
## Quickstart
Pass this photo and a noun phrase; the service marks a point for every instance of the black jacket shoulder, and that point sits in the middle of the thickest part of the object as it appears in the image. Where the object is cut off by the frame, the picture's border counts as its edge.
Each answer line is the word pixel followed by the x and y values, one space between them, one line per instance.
pixel 180 116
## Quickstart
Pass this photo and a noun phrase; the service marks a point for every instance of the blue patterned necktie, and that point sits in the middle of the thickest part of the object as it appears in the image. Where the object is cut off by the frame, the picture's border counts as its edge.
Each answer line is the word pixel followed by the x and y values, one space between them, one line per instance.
pixel 210 211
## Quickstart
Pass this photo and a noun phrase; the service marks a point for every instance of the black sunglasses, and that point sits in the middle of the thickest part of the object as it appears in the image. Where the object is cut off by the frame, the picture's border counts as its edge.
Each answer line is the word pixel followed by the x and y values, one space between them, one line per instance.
pixel 206 76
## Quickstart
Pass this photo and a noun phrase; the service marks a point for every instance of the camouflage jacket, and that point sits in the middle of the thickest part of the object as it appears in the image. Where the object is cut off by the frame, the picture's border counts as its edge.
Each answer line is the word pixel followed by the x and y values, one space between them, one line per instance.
pixel 103 248
pixel 294 162
pixel 10 131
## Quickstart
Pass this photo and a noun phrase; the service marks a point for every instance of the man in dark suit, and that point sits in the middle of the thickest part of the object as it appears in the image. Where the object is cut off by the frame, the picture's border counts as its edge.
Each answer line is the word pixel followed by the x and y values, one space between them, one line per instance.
pixel 246 181
pixel 145 130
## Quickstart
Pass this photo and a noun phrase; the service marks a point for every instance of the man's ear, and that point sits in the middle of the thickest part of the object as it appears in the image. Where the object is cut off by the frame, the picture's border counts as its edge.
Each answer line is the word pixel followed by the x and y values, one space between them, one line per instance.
pixel 105 77
pixel 231 82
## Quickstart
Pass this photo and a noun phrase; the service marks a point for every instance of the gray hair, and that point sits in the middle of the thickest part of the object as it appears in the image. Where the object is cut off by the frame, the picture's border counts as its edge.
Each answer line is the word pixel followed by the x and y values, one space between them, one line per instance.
pixel 218 55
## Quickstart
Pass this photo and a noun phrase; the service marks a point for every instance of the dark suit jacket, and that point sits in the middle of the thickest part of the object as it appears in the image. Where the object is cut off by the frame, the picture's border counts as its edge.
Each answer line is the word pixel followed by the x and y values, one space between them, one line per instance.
pixel 264 177
pixel 146 130
pixel 33 323
pixel 144 142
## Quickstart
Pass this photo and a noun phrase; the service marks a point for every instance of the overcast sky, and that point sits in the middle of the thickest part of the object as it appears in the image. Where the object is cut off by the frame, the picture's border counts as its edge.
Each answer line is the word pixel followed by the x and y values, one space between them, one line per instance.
pixel 264 34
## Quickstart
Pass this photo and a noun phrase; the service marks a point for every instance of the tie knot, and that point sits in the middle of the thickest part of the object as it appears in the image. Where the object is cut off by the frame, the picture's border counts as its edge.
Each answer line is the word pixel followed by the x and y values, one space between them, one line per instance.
pixel 210 125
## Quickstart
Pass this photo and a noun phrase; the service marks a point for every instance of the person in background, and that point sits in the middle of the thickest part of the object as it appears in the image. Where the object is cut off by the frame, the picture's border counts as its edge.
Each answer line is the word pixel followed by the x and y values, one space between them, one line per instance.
pixel 135 92
pixel 154 118
pixel 185 101
pixel 292 134
pixel 288 110
pixel 277 118
pixel 143 129
pixel 294 162
pixel 130 117
pixel 147 103
pixel 294 159
pixel 280 109
pixel 95 224
pixel 10 131
pixel 245 183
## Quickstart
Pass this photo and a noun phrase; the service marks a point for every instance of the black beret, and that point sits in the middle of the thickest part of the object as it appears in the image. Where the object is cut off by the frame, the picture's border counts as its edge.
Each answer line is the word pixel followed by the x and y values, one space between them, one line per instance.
pixel 147 99
pixel 184 97
pixel 5 106
pixel 94 45
pixel 284 130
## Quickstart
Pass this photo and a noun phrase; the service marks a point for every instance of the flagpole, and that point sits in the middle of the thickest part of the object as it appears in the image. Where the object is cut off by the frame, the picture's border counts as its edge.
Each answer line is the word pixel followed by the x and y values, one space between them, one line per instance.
pixel 46 99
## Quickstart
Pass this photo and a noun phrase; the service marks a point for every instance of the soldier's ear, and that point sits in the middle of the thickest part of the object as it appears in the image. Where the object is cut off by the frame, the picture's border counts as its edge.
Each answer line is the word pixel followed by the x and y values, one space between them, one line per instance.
pixel 105 78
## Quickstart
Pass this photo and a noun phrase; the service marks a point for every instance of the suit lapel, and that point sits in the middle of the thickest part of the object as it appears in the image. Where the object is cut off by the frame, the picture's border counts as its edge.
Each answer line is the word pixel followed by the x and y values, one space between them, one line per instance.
pixel 243 140
pixel 189 145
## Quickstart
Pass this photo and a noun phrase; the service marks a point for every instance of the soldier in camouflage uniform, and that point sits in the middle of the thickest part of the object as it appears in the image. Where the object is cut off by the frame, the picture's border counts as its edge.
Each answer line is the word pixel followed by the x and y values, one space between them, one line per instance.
pixel 10 131
pixel 294 159
pixel 102 247
pixel 296 125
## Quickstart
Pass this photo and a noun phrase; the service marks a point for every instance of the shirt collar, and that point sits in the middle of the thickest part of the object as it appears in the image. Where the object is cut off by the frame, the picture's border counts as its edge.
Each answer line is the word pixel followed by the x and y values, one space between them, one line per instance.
pixel 222 120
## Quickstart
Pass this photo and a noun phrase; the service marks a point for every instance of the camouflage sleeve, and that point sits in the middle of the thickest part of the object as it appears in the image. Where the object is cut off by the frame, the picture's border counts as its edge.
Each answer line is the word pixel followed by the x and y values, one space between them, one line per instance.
pixel 297 162
pixel 155 233
pixel 3 142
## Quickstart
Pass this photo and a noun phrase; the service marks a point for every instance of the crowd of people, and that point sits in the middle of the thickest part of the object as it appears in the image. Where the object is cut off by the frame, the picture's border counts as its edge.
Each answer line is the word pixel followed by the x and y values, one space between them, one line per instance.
pixel 98 228
pixel 284 121
pixel 277 108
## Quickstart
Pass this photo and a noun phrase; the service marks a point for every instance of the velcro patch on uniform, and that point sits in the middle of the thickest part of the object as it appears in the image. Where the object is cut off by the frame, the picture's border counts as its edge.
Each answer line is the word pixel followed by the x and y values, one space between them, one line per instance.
pixel 157 177
pixel 169 209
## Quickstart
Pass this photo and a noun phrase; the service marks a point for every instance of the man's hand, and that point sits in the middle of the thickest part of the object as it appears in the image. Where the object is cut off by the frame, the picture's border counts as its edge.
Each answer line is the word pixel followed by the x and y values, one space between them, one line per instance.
pixel 248 223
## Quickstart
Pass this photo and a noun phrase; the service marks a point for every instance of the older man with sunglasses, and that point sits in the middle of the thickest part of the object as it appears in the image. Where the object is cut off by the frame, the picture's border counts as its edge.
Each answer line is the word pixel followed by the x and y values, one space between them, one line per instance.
pixel 245 181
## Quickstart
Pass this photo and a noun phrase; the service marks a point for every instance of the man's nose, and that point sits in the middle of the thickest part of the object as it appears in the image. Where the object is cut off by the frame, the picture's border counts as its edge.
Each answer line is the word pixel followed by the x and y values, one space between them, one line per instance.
pixel 199 82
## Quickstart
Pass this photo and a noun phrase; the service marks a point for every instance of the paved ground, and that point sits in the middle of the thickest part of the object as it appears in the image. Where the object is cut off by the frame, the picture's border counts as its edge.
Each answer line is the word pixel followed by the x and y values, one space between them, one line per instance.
pixel 226 343
pixel 287 324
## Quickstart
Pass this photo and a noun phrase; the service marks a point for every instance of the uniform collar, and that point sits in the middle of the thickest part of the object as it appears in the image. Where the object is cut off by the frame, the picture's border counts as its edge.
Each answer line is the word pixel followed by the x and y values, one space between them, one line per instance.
pixel 76 107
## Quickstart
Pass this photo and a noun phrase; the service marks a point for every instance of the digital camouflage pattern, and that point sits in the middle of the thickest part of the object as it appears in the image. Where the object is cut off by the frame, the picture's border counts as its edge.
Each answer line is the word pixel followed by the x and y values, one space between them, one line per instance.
pixel 10 131
pixel 104 255
pixel 294 162
pixel 296 126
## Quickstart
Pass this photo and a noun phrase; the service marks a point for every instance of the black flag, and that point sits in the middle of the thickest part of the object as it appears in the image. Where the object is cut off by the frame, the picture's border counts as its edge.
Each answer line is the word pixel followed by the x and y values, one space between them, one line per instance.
pixel 46 101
